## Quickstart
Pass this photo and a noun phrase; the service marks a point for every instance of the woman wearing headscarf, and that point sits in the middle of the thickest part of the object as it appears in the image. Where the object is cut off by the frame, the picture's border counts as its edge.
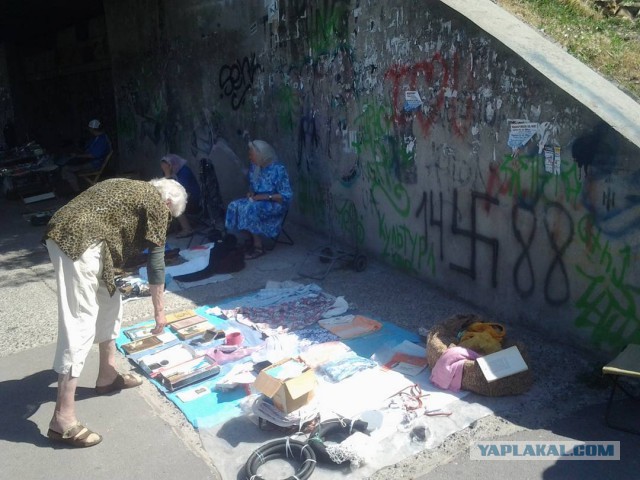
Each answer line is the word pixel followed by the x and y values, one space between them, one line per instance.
pixel 175 167
pixel 267 201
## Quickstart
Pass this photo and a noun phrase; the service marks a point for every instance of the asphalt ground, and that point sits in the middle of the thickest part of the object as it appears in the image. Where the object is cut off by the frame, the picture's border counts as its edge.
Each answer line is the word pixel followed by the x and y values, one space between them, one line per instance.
pixel 145 436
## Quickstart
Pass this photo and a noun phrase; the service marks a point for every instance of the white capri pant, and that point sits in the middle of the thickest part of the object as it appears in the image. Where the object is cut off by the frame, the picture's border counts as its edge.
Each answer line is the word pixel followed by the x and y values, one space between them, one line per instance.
pixel 87 314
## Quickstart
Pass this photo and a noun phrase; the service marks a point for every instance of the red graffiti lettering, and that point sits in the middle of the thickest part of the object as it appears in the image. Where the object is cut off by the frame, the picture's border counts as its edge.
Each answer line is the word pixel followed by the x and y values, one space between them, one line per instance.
pixel 437 77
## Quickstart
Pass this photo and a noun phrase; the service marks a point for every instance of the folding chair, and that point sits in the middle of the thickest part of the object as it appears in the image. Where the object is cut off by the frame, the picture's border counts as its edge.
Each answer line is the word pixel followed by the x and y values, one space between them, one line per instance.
pixel 626 364
pixel 93 177
pixel 287 240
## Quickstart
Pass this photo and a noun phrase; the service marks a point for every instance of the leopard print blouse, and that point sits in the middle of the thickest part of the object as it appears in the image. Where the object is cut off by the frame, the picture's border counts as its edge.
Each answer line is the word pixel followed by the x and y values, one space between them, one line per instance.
pixel 127 215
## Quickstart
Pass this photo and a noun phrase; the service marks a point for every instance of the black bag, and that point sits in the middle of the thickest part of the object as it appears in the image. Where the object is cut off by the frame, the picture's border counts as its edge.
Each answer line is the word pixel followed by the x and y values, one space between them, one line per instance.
pixel 224 257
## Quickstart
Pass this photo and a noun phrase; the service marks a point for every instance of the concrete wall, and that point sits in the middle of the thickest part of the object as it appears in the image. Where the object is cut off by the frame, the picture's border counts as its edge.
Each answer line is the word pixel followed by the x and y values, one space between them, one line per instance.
pixel 58 82
pixel 452 191
pixel 6 101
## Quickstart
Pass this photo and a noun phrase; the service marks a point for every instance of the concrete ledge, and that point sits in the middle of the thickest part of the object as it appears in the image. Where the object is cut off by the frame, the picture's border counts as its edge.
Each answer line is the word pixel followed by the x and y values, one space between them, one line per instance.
pixel 599 95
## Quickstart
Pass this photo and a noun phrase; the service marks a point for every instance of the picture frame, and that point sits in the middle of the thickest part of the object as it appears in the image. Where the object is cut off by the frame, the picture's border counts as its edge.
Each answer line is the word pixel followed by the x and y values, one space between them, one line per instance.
pixel 187 322
pixel 140 345
pixel 189 372
pixel 192 331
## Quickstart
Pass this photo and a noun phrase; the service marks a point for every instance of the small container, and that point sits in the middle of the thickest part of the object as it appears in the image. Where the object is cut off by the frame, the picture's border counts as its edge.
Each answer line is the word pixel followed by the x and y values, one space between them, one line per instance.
pixel 234 338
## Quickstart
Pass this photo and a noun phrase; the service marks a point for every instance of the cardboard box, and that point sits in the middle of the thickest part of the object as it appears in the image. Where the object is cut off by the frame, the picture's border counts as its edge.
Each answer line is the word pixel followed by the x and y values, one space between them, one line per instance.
pixel 289 383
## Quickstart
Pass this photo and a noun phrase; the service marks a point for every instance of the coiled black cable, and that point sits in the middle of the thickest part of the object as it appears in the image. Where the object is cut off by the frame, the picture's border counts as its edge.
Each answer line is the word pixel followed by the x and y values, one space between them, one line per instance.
pixel 336 427
pixel 282 448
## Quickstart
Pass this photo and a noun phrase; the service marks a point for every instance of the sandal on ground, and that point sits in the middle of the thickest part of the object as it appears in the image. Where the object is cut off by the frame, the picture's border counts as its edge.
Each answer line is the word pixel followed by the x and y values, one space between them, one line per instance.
pixel 121 382
pixel 185 234
pixel 255 253
pixel 77 436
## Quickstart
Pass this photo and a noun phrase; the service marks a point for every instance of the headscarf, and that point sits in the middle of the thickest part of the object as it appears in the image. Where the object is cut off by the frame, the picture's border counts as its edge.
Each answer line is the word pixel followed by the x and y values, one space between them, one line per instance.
pixel 175 161
pixel 266 155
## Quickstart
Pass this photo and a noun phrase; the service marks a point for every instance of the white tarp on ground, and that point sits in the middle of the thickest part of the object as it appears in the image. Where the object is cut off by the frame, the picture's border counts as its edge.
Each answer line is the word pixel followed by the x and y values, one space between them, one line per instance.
pixel 231 443
pixel 394 433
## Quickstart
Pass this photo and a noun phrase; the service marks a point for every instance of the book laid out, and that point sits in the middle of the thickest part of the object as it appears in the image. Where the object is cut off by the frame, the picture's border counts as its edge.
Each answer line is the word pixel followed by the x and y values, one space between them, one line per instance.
pixel 174 317
pixel 142 344
pixel 189 372
pixel 138 333
pixel 407 364
pixel 192 330
pixel 502 364
pixel 187 322
pixel 147 343
pixel 166 358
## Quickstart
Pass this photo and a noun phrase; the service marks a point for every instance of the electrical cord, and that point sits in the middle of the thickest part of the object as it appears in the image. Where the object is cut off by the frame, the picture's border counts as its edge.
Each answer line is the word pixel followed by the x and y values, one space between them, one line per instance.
pixel 336 427
pixel 283 448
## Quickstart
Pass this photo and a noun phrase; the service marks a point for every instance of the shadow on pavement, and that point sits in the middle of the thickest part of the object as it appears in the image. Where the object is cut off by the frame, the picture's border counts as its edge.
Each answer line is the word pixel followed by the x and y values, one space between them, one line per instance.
pixel 22 398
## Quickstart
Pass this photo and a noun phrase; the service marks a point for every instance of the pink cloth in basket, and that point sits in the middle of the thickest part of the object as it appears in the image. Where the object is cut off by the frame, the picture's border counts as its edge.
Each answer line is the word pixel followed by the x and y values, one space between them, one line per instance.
pixel 447 372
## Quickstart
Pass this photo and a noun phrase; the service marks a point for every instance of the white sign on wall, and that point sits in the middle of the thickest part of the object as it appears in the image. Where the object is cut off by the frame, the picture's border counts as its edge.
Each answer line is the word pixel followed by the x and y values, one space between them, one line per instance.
pixel 520 132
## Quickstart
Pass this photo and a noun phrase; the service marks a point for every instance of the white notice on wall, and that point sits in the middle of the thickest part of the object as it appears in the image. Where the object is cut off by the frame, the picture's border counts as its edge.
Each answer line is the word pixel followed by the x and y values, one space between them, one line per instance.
pixel 520 132
pixel 412 100
pixel 552 160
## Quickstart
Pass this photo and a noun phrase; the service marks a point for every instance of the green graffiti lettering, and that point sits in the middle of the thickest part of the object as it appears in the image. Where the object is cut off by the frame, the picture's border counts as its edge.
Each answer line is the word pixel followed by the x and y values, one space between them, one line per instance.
pixel 608 304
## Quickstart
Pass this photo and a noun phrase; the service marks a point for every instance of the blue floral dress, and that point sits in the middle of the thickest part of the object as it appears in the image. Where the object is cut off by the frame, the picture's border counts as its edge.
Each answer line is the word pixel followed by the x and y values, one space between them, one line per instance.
pixel 262 217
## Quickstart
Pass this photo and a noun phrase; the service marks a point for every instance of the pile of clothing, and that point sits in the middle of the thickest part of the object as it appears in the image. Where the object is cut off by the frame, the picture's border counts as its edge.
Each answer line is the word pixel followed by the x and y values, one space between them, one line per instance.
pixel 454 345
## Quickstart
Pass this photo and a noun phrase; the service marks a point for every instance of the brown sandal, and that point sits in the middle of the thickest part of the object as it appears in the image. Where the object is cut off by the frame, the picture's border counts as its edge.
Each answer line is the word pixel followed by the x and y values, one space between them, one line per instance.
pixel 77 436
pixel 120 383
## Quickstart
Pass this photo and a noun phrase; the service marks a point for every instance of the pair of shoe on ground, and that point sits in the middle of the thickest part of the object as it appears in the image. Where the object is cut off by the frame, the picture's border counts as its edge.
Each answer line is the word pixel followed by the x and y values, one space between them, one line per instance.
pixel 80 436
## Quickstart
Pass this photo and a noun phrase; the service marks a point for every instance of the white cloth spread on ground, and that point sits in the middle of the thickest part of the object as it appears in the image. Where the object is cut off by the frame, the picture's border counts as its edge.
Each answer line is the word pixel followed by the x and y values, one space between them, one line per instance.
pixel 370 394
pixel 398 422
pixel 196 259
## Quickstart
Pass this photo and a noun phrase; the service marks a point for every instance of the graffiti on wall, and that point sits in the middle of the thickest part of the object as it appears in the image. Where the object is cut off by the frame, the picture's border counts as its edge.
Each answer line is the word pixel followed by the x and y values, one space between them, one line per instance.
pixel 608 305
pixel 439 202
pixel 443 95
pixel 144 114
pixel 237 79
pixel 524 178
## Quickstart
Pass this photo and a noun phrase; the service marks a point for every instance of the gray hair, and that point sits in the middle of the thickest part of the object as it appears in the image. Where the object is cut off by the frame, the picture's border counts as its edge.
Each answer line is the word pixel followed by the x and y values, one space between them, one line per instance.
pixel 265 151
pixel 174 192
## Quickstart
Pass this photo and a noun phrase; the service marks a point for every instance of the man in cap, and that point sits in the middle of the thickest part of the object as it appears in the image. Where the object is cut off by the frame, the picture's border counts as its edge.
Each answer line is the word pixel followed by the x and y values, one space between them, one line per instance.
pixel 91 158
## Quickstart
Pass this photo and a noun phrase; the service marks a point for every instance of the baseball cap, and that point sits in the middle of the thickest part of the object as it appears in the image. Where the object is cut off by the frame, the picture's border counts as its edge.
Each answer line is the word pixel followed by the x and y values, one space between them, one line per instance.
pixel 94 123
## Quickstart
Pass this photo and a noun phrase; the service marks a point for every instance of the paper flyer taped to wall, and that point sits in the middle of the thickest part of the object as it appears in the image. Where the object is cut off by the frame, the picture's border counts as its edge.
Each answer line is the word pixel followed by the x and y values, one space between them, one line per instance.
pixel 412 100
pixel 520 132
pixel 552 159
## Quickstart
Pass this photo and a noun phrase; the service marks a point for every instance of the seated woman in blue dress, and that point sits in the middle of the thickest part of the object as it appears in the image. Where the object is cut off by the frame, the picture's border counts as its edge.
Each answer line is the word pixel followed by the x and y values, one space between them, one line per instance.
pixel 175 167
pixel 267 200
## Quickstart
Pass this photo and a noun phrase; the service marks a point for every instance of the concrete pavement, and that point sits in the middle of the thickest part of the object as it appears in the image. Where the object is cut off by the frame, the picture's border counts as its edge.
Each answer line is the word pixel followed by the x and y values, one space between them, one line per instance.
pixel 145 436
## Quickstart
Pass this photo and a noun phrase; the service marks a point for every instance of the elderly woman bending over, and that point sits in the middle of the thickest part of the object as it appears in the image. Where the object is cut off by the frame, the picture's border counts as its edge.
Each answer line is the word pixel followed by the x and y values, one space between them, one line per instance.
pixel 96 232
pixel 267 201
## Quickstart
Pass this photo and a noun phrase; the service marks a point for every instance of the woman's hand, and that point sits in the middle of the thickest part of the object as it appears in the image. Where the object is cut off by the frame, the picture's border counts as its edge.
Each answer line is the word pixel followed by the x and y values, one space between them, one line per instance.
pixel 161 322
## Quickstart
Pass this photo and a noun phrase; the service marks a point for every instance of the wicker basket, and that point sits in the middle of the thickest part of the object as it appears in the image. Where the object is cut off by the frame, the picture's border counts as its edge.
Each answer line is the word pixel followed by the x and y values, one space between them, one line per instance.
pixel 443 335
